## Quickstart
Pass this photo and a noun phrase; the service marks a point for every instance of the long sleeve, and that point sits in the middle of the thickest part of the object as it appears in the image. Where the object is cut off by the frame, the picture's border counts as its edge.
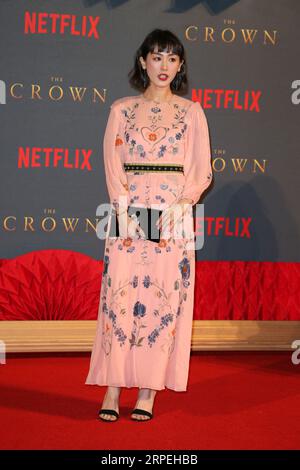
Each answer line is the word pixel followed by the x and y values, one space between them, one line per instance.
pixel 116 179
pixel 197 160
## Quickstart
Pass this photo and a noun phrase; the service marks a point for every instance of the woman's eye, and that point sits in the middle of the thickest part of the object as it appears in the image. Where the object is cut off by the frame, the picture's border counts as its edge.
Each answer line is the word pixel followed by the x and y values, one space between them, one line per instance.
pixel 172 58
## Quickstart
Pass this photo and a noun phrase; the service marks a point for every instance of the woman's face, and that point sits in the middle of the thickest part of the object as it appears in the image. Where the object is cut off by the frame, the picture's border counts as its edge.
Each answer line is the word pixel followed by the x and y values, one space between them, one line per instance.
pixel 161 67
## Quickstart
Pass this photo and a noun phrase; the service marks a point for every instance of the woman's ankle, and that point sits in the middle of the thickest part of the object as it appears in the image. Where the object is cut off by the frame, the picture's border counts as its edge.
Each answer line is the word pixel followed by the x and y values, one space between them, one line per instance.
pixel 113 391
pixel 146 394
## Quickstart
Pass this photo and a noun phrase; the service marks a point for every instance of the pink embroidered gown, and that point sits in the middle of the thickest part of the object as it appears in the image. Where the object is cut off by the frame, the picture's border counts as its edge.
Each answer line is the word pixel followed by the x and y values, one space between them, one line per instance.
pixel 144 327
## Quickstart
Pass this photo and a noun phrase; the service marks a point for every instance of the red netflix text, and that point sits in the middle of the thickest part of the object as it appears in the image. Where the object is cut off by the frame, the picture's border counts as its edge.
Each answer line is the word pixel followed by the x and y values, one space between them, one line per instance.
pixel 37 157
pixel 57 23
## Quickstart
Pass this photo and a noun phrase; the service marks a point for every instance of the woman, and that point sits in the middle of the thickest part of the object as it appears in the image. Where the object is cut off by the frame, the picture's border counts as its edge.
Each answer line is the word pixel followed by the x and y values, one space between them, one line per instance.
pixel 156 155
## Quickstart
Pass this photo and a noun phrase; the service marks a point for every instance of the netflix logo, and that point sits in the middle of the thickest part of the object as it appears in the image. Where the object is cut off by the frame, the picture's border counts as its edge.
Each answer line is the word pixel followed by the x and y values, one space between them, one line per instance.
pixel 247 100
pixel 38 157
pixel 56 23
pixel 237 227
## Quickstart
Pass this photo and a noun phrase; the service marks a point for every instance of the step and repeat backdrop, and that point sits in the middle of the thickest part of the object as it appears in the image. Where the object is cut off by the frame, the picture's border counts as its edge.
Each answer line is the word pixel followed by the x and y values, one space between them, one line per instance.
pixel 64 62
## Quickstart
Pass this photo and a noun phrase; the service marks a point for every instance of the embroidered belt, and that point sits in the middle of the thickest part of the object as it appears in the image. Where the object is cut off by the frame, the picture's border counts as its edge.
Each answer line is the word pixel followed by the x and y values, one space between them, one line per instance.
pixel 153 167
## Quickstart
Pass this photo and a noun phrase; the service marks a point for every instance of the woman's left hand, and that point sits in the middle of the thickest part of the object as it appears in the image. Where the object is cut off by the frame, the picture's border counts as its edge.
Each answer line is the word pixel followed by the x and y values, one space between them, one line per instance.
pixel 172 214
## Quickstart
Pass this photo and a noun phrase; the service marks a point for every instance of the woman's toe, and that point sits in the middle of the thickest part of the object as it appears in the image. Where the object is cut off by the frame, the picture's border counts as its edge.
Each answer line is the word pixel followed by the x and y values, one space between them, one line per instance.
pixel 108 417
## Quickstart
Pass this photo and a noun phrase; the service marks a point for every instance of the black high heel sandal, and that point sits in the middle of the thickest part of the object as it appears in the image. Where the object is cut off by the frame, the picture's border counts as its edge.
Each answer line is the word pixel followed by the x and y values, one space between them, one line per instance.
pixel 139 411
pixel 108 412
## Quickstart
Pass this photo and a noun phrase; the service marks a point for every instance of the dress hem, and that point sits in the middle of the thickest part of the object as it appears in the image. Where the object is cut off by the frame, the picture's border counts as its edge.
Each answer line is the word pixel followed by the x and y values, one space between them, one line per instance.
pixel 138 386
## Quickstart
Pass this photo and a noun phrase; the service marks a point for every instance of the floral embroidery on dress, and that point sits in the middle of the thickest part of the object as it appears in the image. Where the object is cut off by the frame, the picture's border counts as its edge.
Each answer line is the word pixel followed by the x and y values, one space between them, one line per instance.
pixel 173 189
pixel 154 132
pixel 156 332
pixel 110 324
pixel 169 343
pixel 139 312
pixel 118 140
pixel 184 267
pixel 140 309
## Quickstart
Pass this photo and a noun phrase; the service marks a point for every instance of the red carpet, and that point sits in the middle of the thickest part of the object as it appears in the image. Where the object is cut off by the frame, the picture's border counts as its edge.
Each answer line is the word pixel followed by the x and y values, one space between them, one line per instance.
pixel 235 400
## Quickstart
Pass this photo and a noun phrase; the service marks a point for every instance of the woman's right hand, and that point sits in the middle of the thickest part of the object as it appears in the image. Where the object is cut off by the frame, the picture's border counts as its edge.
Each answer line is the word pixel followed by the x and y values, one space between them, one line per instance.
pixel 134 229
pixel 129 227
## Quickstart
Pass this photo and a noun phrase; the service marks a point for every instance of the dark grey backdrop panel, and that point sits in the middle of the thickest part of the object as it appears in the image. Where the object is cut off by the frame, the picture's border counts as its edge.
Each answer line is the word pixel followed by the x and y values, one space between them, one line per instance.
pixel 268 198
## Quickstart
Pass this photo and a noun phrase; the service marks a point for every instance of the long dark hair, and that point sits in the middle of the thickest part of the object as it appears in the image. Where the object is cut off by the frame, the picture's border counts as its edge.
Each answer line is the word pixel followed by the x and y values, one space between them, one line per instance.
pixel 166 41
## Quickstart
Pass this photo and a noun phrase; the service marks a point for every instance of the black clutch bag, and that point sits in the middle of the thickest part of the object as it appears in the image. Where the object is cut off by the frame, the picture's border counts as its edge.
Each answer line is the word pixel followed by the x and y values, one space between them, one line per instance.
pixel 146 217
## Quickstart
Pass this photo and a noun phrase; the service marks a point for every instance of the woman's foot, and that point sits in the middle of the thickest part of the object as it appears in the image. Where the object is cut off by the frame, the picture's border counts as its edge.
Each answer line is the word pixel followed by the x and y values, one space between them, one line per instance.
pixel 111 402
pixel 144 402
